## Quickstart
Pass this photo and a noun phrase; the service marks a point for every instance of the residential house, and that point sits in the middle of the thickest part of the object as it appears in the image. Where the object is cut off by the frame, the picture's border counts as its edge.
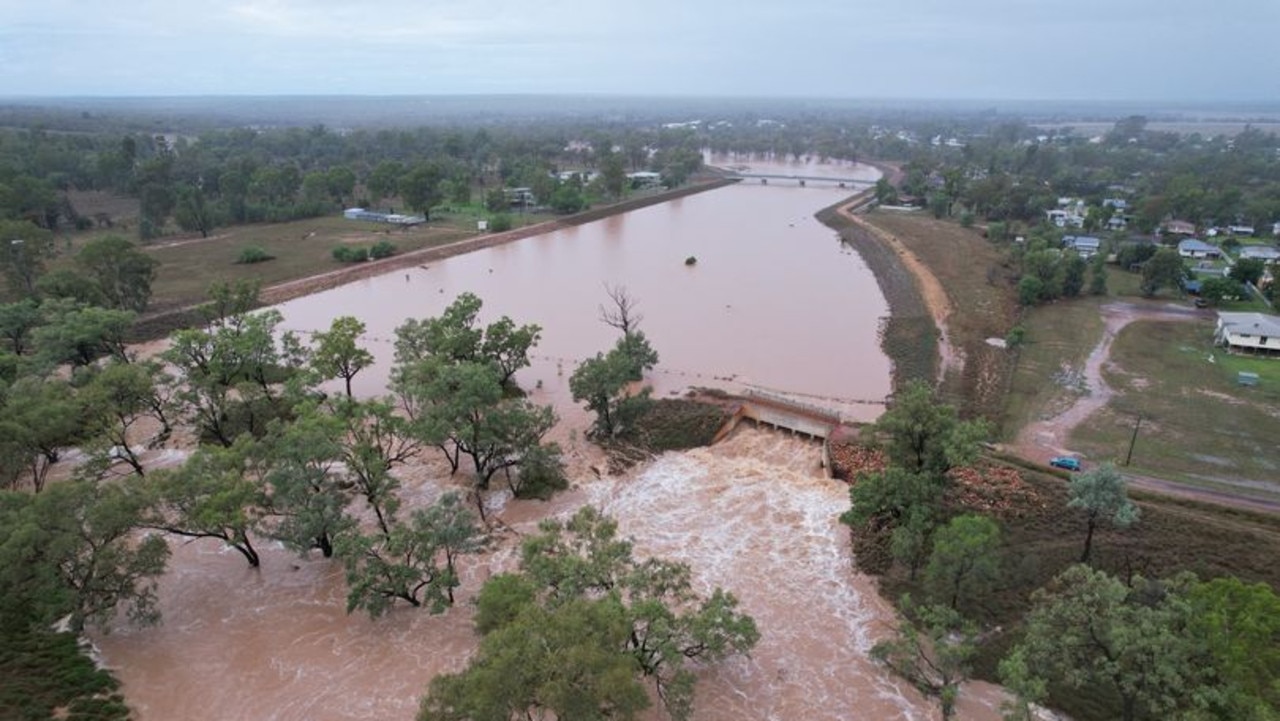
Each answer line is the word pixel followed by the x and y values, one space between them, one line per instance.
pixel 373 216
pixel 1179 227
pixel 1248 332
pixel 1117 222
pixel 1119 204
pixel 1240 229
pixel 1192 248
pixel 1265 253
pixel 1086 246
pixel 645 179
pixel 520 197
pixel 1065 218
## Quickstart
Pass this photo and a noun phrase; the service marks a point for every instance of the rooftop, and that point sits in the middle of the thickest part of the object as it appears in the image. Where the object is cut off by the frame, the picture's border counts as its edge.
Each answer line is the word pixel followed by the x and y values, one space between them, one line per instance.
pixel 1251 323
pixel 1259 251
pixel 1192 245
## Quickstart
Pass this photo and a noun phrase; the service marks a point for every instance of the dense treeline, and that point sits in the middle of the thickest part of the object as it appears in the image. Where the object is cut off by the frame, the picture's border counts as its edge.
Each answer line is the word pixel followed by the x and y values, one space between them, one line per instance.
pixel 1116 645
pixel 244 175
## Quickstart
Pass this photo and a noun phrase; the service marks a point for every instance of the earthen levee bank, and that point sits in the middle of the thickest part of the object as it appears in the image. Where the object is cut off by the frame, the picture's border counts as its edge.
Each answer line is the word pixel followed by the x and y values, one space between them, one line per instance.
pixel 161 324
pixel 909 335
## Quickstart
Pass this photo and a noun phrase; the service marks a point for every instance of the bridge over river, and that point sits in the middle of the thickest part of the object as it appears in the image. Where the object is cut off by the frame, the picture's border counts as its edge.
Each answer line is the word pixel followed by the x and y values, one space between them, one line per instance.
pixel 806 179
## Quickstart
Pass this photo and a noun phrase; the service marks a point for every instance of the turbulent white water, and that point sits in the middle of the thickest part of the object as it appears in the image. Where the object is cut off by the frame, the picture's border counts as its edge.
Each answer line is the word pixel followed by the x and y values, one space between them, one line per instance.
pixel 756 517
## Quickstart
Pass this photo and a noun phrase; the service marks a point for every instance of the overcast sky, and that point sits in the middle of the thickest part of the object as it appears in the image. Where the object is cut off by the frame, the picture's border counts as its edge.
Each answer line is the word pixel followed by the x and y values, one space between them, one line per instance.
pixel 1188 50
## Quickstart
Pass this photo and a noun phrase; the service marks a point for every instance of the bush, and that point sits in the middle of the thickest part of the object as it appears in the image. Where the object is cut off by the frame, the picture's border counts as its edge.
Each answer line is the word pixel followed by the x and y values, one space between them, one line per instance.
pixel 382 249
pixel 966 219
pixel 500 223
pixel 350 254
pixel 1017 336
pixel 253 254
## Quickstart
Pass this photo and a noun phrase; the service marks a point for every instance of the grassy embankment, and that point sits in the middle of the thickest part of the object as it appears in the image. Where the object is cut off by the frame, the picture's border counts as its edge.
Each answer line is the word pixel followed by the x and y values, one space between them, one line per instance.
pixel 301 248
pixel 908 336
pixel 971 271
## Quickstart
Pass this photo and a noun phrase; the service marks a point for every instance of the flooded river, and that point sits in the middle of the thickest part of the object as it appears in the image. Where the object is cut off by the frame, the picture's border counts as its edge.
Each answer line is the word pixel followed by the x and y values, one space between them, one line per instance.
pixel 773 301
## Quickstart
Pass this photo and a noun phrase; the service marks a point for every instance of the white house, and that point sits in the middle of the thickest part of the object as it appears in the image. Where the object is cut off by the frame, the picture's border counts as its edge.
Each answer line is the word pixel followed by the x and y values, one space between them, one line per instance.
pixel 1086 246
pixel 1265 253
pixel 1240 229
pixel 1192 248
pixel 1065 218
pixel 644 179
pixel 1250 332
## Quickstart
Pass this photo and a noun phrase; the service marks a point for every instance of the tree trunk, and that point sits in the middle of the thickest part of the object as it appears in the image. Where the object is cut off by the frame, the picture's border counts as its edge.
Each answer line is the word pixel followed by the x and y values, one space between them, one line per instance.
pixel 247 550
pixel 347 378
pixel 1088 540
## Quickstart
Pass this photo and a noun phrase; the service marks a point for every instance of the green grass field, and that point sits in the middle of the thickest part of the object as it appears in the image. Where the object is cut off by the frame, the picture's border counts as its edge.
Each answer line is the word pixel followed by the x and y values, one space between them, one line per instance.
pixel 1058 336
pixel 1199 425
pixel 302 248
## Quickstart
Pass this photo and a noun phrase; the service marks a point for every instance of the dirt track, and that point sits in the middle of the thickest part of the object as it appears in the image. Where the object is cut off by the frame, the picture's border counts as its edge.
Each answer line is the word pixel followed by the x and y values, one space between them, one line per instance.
pixel 931 291
pixel 1041 440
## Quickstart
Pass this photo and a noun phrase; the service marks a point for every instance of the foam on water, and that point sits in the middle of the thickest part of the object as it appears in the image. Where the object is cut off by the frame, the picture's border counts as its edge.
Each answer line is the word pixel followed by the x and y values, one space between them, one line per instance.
pixel 753 517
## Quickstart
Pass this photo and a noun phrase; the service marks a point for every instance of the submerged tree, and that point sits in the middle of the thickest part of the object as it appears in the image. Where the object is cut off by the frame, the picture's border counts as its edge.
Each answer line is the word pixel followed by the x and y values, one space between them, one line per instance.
pixel 931 650
pixel 337 353
pixel 72 550
pixel 603 383
pixel 415 562
pixel 209 496
pixel 584 612
pixel 299 466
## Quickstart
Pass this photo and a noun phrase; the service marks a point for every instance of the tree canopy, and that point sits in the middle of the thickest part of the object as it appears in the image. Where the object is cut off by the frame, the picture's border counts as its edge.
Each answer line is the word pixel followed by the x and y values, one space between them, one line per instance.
pixel 582 607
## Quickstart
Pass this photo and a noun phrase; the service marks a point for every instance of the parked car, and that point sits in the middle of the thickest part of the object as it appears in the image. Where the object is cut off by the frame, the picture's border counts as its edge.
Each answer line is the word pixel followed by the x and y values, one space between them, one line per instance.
pixel 1065 462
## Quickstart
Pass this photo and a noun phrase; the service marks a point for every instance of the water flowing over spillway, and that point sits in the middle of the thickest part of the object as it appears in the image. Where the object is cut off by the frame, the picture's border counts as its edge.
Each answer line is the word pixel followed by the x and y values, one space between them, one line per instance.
pixel 774 301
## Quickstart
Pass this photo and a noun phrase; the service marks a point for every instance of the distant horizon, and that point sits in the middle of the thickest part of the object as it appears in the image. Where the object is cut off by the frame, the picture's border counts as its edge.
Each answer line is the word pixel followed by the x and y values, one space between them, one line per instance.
pixel 1266 111
pixel 1139 51
pixel 1261 102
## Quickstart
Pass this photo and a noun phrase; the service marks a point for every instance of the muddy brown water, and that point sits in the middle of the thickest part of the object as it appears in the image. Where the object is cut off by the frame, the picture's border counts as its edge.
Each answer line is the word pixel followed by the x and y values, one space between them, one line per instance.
pixel 773 300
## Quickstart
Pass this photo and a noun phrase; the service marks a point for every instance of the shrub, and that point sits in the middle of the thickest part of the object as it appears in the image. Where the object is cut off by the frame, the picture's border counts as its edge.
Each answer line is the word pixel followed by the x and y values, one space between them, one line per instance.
pixel 1017 336
pixel 966 219
pixel 350 254
pixel 382 249
pixel 500 223
pixel 253 254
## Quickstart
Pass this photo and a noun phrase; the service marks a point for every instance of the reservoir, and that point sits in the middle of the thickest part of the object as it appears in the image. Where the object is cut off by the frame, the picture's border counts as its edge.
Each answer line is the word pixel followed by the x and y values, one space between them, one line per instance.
pixel 774 302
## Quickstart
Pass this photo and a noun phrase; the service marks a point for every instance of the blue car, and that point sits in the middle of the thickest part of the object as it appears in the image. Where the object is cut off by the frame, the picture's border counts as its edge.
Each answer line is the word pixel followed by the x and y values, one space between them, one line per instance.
pixel 1065 462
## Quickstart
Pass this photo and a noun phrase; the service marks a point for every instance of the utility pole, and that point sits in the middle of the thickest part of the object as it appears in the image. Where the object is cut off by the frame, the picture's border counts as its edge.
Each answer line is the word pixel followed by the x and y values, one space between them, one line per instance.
pixel 1133 439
